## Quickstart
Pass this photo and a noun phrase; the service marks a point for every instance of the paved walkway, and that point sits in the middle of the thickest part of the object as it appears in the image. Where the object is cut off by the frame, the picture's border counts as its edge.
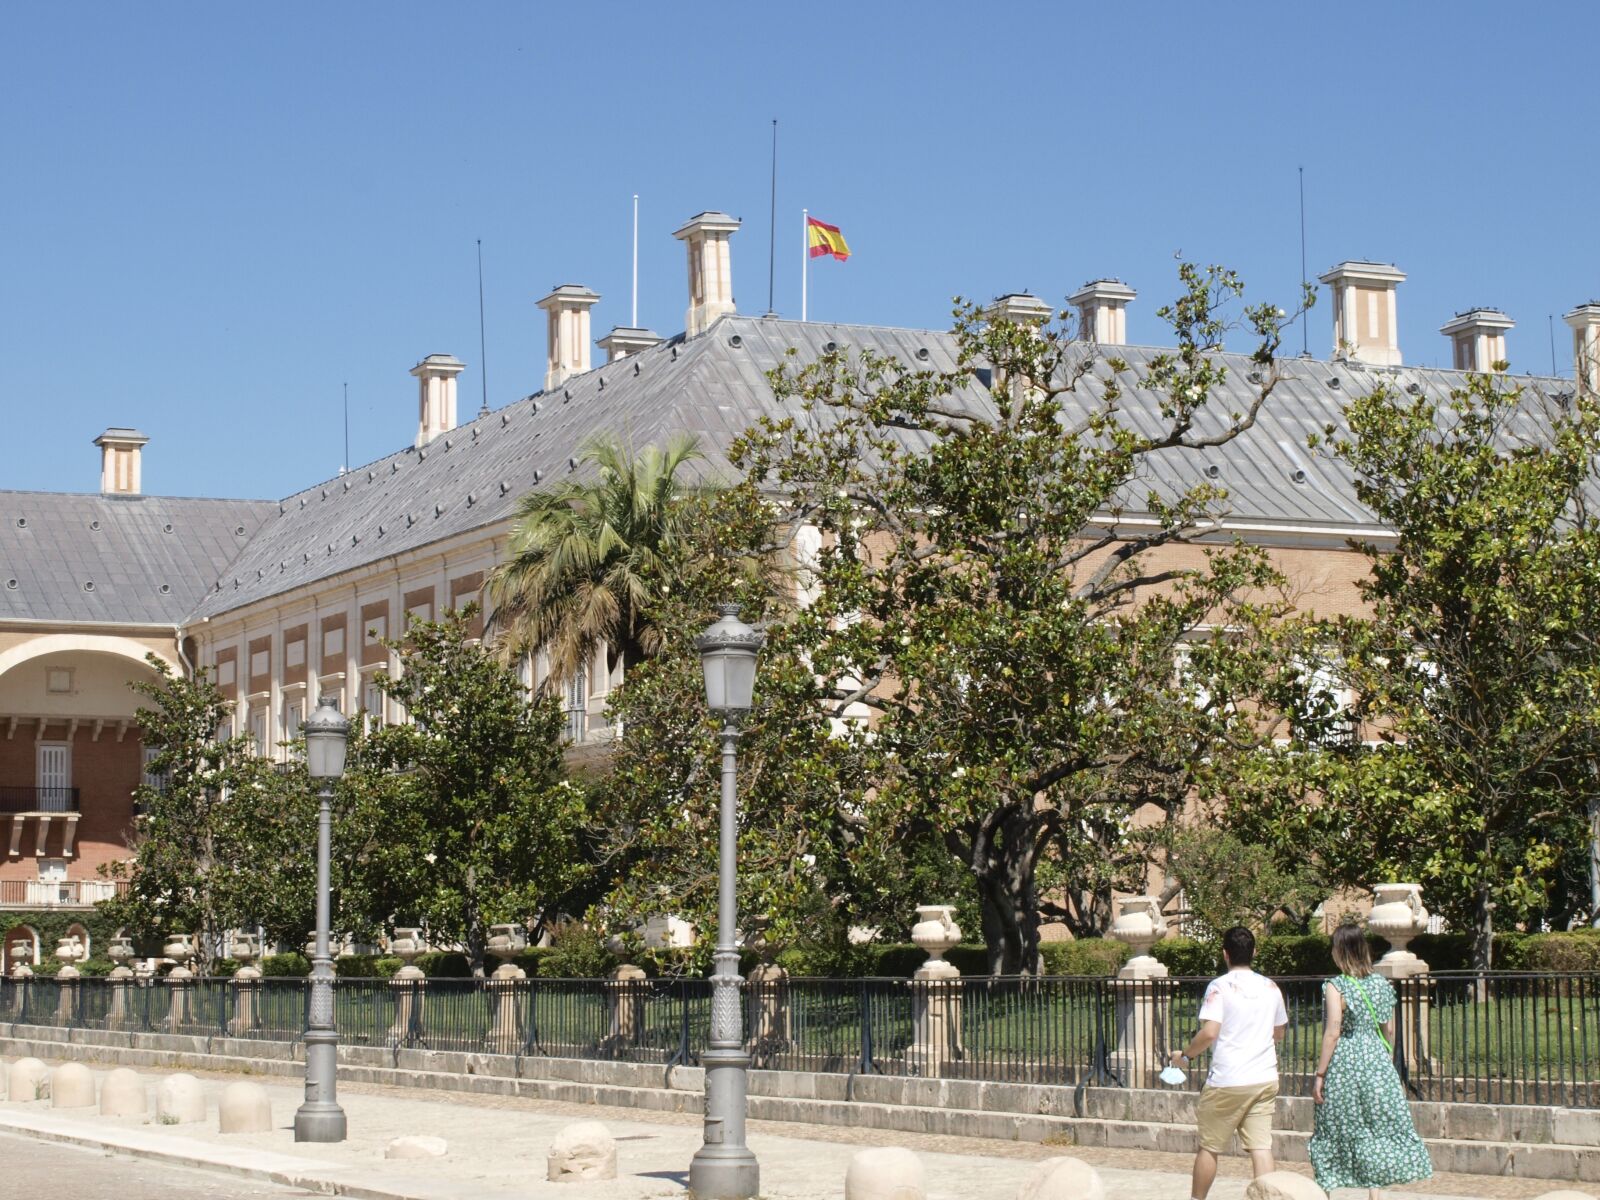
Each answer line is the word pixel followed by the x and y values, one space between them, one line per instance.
pixel 498 1144
pixel 44 1169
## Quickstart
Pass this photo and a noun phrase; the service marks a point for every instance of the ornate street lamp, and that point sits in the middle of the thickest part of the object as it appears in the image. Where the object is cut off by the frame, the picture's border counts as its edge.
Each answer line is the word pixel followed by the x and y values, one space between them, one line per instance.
pixel 320 1119
pixel 724 1168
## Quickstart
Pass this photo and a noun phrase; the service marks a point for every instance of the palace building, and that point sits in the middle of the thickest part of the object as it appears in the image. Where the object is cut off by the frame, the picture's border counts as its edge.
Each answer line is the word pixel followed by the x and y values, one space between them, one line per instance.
pixel 287 600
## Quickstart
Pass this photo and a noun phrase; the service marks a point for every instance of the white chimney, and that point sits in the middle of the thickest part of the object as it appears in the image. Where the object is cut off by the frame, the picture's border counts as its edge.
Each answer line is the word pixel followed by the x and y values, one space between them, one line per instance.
pixel 1585 324
pixel 710 269
pixel 623 341
pixel 568 306
pixel 1021 309
pixel 1102 306
pixel 1365 323
pixel 119 461
pixel 1477 339
pixel 436 395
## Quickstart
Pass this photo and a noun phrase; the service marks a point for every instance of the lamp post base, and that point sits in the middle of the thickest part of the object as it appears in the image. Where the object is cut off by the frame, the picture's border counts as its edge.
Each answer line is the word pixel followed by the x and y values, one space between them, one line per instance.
pixel 724 1167
pixel 319 1121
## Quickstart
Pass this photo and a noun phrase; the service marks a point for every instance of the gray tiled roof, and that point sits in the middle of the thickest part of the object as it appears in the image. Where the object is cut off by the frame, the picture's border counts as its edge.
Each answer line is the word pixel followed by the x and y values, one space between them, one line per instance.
pixel 127 559
pixel 715 386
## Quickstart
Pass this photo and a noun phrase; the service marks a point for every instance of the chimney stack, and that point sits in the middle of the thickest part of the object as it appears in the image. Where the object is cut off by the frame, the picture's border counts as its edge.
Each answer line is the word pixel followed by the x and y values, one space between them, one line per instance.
pixel 1585 324
pixel 1021 309
pixel 436 395
pixel 568 306
pixel 1477 339
pixel 623 341
pixel 119 461
pixel 710 269
pixel 1102 306
pixel 1365 323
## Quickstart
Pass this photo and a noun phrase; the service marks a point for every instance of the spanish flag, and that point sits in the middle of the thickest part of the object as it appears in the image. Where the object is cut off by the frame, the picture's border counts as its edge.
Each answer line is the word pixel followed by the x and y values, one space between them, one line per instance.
pixel 826 239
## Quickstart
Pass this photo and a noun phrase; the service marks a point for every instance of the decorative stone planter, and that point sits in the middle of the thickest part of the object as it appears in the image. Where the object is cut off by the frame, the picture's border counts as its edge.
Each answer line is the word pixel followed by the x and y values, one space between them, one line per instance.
pixel 181 980
pixel 1397 916
pixel 936 994
pixel 409 985
pixel 1140 925
pixel 119 951
pixel 505 986
pixel 1142 993
pixel 244 949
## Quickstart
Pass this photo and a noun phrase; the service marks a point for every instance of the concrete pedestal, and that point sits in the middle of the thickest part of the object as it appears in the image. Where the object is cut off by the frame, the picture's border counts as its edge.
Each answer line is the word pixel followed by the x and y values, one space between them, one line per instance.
pixel 1143 1015
pixel 180 1014
pixel 246 993
pixel 410 987
pixel 1414 1002
pixel 935 1019
pixel 769 1009
pixel 625 994
pixel 505 987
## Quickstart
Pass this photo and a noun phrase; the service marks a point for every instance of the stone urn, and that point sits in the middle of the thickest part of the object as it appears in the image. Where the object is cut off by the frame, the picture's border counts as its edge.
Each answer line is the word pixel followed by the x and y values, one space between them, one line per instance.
pixel 180 950
pixel 21 954
pixel 1139 925
pixel 244 949
pixel 69 950
pixel 120 951
pixel 935 931
pixel 1397 916
pixel 407 945
pixel 505 943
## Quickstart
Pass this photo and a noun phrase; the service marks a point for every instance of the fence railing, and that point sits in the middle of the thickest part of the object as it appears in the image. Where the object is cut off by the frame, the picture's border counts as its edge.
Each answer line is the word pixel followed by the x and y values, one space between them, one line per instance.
pixel 58 893
pixel 19 799
pixel 1494 1038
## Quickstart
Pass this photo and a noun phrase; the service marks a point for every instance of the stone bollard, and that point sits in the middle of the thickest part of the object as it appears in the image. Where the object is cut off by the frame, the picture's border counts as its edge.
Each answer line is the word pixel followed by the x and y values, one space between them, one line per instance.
pixel 180 1100
pixel 935 994
pixel 1062 1179
pixel 28 1079
pixel 1142 993
pixel 409 986
pixel 1567 1195
pixel 122 1094
pixel 1283 1185
pixel 1398 916
pixel 582 1151
pixel 885 1173
pixel 769 1008
pixel 625 992
pixel 72 1086
pixel 244 1108
pixel 416 1146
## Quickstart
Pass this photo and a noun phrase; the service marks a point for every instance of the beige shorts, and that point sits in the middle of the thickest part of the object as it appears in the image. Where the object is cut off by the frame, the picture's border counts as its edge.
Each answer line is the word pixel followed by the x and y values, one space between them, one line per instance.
pixel 1246 1111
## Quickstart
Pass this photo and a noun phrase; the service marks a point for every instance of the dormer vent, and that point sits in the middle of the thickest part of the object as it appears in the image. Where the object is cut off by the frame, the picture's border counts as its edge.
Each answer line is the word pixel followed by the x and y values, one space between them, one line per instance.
pixel 1584 321
pixel 1020 308
pixel 623 341
pixel 705 236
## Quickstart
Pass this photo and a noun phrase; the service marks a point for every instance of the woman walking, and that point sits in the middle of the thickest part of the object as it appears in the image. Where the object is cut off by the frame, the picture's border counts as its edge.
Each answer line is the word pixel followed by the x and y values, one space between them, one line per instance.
pixel 1364 1137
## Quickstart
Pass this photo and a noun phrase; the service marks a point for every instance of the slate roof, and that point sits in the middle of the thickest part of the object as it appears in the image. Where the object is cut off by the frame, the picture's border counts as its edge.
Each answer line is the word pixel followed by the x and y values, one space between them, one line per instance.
pixel 142 560
pixel 715 386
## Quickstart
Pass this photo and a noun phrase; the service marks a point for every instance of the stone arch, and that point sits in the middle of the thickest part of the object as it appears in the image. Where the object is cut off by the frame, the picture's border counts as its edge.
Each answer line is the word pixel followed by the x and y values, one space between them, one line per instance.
pixel 21 943
pixel 82 933
pixel 83 643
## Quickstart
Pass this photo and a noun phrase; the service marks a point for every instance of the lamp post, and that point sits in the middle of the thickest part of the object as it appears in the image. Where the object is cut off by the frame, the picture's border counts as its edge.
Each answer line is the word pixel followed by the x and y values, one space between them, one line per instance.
pixel 320 1119
pixel 724 1168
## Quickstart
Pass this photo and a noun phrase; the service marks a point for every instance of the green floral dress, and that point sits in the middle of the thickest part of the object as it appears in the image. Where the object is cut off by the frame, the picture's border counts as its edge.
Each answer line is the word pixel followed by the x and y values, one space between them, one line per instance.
pixel 1364 1137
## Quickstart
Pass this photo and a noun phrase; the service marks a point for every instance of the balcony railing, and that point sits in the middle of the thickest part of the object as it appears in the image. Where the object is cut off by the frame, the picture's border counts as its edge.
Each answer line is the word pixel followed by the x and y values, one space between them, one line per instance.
pixel 57 893
pixel 15 799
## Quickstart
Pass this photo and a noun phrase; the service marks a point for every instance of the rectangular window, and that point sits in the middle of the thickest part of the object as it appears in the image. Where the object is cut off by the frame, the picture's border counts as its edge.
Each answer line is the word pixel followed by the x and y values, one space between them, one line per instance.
pixel 294 654
pixel 54 761
pixel 293 715
pixel 260 663
pixel 577 698
pixel 225 673
pixel 372 702
pixel 376 630
pixel 258 730
pixel 58 681
pixel 333 642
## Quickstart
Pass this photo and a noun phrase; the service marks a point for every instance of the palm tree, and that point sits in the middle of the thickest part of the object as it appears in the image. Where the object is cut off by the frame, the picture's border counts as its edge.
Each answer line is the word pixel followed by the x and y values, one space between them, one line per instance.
pixel 582 556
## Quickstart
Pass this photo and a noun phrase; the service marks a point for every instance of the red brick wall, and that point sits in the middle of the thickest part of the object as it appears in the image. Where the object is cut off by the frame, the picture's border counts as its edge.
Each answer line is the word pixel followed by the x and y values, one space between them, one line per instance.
pixel 105 772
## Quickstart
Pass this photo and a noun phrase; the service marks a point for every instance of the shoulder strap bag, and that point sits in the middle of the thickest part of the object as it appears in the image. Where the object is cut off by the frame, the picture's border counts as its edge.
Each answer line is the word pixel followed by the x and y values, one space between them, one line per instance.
pixel 1376 1024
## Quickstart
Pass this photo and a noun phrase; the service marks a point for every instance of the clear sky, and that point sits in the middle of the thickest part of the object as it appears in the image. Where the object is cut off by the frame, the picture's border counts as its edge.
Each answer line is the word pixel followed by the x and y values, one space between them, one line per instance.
pixel 214 215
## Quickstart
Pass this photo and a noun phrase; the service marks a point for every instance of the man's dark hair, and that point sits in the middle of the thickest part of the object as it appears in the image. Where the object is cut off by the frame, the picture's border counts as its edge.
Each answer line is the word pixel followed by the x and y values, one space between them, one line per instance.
pixel 1239 944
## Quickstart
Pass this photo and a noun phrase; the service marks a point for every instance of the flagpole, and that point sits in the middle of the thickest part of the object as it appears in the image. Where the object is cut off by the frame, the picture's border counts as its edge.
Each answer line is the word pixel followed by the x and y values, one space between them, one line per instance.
pixel 635 318
pixel 805 258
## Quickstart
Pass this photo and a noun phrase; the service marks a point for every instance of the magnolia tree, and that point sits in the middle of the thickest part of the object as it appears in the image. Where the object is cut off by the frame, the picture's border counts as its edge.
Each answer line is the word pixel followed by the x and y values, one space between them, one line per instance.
pixel 995 612
pixel 1475 674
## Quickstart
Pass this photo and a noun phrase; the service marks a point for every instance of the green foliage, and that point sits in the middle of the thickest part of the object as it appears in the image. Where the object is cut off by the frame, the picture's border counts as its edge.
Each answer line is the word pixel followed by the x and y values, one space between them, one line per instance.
pixel 974 590
pixel 208 845
pixel 470 821
pixel 1227 881
pixel 286 965
pixel 578 951
pixel 1084 956
pixel 584 555
pixel 1477 675
pixel 1189 956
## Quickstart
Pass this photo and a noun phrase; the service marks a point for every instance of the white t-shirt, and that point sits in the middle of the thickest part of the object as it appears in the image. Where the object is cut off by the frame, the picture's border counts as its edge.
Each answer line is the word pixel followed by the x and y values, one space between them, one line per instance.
pixel 1248 1007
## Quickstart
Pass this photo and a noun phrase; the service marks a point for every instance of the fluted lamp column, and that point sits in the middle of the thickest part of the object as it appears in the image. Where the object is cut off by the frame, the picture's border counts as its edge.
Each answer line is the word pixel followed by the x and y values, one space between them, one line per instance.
pixel 724 1168
pixel 320 1119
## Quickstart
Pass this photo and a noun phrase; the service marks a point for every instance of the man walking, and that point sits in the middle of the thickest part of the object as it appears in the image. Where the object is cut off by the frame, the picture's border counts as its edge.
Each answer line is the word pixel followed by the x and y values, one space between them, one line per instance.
pixel 1243 1017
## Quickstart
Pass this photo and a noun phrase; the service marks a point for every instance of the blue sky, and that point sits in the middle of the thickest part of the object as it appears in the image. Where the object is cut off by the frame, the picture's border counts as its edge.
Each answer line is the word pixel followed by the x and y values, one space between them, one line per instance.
pixel 216 215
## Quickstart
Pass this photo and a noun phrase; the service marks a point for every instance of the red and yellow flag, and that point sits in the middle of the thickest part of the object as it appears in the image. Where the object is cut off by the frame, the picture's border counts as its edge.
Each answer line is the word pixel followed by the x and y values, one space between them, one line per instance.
pixel 826 240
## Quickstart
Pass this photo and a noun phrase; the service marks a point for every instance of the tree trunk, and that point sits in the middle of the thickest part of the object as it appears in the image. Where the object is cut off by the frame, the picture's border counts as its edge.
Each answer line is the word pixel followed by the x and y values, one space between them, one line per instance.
pixel 474 939
pixel 1002 863
pixel 1482 929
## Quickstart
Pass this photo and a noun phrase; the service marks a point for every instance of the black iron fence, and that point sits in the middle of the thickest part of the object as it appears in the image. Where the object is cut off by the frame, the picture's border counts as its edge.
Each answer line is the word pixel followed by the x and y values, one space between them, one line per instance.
pixel 1496 1038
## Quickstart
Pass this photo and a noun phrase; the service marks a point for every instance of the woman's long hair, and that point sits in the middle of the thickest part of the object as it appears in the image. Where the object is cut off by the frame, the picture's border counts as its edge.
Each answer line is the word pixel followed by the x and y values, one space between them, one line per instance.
pixel 1350 951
